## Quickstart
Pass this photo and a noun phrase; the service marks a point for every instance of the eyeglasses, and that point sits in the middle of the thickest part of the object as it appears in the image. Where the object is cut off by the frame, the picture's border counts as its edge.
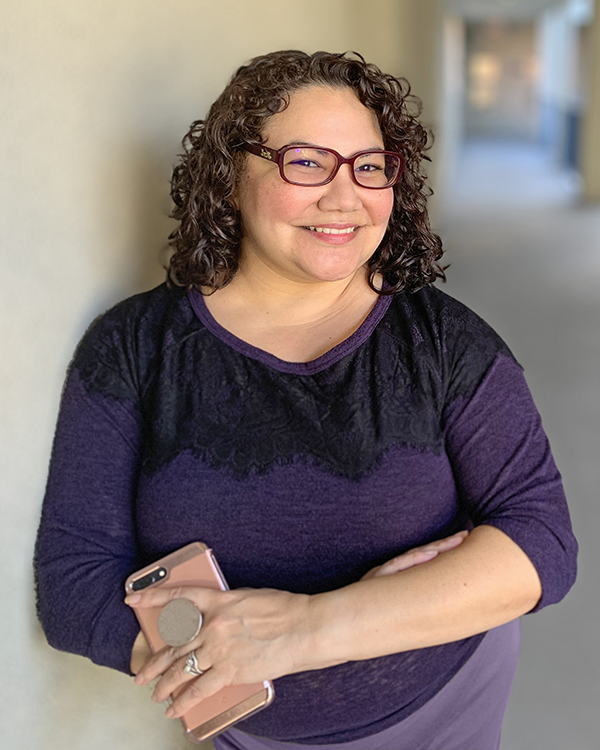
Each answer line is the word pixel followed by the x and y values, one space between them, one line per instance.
pixel 312 166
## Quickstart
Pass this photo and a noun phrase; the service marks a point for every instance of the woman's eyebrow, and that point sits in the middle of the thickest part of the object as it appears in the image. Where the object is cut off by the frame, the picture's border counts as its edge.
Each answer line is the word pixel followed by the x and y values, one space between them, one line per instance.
pixel 318 146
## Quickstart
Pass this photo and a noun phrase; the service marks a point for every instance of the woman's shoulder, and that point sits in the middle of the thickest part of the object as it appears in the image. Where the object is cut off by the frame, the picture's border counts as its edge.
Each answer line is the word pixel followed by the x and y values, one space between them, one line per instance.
pixel 144 308
pixel 441 337
pixel 120 345
pixel 430 306
pixel 434 317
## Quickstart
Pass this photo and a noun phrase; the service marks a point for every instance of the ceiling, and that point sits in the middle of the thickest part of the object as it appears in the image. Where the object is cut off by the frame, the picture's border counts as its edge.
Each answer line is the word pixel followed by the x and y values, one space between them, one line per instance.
pixel 514 9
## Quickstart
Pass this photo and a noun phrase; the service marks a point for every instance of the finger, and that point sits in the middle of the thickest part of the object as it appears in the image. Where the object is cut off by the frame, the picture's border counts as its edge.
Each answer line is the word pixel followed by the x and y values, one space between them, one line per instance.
pixel 158 596
pixel 199 689
pixel 417 556
pixel 164 660
pixel 420 555
pixel 176 676
pixel 157 665
pixel 404 562
pixel 448 543
pixel 371 574
pixel 414 556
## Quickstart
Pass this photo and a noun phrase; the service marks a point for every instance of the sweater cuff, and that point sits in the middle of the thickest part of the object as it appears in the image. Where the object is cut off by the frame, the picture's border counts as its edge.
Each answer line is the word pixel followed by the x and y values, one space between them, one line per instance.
pixel 555 560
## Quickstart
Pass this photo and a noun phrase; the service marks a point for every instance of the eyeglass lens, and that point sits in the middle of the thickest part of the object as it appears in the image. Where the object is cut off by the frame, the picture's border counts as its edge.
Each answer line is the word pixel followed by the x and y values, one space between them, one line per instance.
pixel 312 166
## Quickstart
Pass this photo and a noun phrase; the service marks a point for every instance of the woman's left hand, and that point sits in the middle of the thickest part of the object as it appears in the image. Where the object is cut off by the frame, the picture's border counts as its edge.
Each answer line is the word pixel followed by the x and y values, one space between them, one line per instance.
pixel 247 636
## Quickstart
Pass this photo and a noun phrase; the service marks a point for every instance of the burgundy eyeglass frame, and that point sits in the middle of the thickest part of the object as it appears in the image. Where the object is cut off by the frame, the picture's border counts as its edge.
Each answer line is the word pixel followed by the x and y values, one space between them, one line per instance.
pixel 276 156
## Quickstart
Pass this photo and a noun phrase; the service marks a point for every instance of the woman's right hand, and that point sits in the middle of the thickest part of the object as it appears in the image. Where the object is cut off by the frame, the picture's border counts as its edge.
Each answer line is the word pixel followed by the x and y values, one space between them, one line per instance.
pixel 247 636
pixel 417 556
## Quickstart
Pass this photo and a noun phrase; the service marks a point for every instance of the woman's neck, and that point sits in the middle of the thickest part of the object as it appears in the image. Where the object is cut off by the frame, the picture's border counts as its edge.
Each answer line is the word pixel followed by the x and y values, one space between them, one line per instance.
pixel 295 322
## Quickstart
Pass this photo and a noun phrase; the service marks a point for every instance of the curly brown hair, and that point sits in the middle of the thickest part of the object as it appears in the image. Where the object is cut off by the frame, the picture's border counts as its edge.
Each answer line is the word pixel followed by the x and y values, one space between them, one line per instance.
pixel 206 243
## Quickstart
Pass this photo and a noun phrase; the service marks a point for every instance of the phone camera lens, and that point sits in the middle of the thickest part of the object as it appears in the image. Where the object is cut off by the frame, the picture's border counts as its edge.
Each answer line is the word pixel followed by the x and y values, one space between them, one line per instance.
pixel 153 577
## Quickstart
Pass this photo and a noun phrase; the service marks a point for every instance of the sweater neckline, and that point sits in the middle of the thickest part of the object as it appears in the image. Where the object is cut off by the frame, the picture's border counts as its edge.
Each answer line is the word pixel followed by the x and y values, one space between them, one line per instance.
pixel 345 347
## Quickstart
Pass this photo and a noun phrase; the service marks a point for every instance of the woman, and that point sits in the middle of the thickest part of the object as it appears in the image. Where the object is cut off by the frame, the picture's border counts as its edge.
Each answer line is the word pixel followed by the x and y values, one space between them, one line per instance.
pixel 301 398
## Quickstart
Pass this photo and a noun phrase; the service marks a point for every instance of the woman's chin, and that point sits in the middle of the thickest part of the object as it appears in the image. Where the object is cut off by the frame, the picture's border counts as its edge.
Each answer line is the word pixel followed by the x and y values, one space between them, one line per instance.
pixel 331 269
pixel 330 275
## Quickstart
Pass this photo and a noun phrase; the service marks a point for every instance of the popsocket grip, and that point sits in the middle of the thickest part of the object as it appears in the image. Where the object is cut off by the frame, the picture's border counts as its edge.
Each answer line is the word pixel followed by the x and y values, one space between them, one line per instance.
pixel 179 622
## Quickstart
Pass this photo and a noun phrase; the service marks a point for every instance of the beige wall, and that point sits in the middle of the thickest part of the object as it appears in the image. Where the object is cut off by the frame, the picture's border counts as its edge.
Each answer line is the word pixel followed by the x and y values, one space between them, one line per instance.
pixel 407 38
pixel 450 119
pixel 96 96
pixel 401 37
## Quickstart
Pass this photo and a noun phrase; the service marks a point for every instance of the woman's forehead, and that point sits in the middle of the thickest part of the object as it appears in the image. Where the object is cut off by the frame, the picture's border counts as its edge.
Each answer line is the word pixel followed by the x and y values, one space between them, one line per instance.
pixel 316 113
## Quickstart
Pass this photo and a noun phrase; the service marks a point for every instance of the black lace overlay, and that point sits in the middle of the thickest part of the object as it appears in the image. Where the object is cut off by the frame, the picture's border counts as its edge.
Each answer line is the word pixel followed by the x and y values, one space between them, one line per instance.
pixel 242 416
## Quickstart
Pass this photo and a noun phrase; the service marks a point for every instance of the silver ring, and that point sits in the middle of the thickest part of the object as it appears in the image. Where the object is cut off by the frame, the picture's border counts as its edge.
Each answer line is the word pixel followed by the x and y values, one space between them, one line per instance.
pixel 191 665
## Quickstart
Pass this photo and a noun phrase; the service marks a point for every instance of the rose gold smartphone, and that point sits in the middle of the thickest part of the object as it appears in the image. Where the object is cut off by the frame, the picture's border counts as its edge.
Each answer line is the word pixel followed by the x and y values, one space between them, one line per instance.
pixel 195 565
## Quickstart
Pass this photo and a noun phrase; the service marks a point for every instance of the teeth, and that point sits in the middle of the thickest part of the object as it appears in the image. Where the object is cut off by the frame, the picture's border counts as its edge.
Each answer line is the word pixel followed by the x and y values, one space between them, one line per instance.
pixel 331 230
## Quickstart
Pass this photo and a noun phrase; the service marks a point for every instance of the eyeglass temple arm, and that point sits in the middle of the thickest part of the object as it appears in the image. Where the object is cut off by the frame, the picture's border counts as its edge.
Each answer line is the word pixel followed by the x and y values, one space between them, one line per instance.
pixel 263 151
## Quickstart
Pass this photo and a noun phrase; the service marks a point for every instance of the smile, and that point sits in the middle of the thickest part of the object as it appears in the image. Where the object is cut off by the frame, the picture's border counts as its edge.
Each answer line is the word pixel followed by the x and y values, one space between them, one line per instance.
pixel 331 230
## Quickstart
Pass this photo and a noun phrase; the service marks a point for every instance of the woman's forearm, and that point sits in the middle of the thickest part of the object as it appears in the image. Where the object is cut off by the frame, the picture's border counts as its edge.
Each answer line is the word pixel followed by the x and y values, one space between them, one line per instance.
pixel 252 635
pixel 485 582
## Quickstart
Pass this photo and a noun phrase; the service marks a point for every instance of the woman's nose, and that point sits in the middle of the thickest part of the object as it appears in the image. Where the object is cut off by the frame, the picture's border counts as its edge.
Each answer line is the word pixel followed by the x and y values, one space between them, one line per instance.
pixel 342 193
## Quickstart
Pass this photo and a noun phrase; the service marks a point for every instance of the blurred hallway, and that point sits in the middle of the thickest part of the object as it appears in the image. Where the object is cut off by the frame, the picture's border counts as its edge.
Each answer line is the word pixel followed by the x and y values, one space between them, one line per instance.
pixel 525 255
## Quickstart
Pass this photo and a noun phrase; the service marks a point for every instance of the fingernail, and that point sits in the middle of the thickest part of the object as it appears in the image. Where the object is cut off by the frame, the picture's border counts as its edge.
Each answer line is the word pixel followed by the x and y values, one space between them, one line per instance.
pixel 139 680
pixel 170 712
pixel 133 598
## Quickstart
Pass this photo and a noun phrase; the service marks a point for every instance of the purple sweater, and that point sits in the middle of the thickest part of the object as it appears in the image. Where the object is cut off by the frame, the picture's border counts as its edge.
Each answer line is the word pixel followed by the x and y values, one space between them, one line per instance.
pixel 300 476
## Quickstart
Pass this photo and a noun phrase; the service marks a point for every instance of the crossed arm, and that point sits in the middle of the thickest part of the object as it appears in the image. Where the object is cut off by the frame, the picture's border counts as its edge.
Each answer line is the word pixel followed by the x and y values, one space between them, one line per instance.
pixel 420 599
pixel 85 551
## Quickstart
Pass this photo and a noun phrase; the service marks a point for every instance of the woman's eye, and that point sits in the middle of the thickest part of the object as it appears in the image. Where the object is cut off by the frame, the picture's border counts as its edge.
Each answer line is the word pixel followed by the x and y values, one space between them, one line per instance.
pixel 304 163
pixel 369 168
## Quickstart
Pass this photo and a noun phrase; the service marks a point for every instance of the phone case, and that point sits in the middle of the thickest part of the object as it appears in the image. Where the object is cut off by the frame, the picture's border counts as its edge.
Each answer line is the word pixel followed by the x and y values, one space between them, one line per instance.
pixel 195 565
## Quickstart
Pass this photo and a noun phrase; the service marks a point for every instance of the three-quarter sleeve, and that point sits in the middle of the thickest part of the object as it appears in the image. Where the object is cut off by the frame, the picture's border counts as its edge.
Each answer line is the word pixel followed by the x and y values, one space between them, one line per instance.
pixel 86 539
pixel 506 475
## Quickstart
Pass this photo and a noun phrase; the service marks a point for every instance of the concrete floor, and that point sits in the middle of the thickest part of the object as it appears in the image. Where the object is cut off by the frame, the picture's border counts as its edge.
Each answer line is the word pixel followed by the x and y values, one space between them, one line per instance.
pixel 525 255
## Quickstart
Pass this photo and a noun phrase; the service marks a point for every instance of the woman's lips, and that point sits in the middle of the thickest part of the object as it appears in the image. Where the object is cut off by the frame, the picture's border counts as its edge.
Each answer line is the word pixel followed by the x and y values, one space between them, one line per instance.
pixel 334 235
